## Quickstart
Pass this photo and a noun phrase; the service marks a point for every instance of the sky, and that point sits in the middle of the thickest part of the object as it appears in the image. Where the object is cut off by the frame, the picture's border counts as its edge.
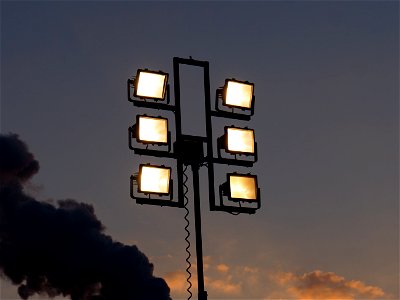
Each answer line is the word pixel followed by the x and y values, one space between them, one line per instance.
pixel 326 77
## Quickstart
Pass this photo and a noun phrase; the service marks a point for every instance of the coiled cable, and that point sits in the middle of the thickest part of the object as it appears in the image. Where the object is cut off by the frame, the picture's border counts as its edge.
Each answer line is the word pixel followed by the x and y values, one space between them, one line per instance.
pixel 185 191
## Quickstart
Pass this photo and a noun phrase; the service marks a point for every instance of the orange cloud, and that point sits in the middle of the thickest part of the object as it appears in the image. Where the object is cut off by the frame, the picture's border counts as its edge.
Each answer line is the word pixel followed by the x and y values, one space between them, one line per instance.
pixel 224 287
pixel 218 280
pixel 177 282
pixel 244 282
pixel 326 285
pixel 223 268
pixel 221 287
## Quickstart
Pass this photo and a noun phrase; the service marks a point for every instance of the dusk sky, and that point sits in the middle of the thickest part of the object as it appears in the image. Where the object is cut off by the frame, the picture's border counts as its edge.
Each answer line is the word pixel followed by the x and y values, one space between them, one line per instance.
pixel 326 78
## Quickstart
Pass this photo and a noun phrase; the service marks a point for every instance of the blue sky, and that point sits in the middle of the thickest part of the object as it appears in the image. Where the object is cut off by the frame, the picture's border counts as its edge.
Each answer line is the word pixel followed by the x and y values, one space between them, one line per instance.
pixel 326 84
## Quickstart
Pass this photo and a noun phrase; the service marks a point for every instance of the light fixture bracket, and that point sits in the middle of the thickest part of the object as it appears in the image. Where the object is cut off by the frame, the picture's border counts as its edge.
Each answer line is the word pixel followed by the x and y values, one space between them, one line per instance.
pixel 153 103
pixel 145 151
pixel 153 201
pixel 224 192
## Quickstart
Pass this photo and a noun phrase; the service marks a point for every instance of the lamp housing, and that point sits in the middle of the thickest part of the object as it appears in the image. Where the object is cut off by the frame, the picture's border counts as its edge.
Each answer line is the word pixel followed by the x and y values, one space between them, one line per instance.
pixel 239 140
pixel 152 130
pixel 150 84
pixel 154 179
pixel 242 187
pixel 238 94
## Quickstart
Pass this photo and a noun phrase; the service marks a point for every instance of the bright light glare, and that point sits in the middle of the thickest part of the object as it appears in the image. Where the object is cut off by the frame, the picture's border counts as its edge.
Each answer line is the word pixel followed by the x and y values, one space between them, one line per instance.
pixel 155 179
pixel 151 85
pixel 239 94
pixel 243 187
pixel 240 140
pixel 153 129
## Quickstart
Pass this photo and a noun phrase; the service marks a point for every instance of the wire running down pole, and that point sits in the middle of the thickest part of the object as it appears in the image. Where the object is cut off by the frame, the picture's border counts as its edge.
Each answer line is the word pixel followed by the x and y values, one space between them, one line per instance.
pixel 190 150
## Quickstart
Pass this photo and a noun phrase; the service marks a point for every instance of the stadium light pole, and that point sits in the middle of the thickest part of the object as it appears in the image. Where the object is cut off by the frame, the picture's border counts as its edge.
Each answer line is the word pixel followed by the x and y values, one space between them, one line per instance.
pixel 235 100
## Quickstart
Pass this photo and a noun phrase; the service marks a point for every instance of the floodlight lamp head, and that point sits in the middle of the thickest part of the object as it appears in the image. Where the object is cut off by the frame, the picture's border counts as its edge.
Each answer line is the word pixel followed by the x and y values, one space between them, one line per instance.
pixel 238 94
pixel 151 130
pixel 154 179
pixel 150 84
pixel 239 140
pixel 243 187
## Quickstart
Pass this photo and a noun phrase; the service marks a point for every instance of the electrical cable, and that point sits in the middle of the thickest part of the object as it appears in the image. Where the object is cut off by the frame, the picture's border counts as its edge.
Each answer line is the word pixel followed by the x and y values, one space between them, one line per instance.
pixel 235 213
pixel 186 189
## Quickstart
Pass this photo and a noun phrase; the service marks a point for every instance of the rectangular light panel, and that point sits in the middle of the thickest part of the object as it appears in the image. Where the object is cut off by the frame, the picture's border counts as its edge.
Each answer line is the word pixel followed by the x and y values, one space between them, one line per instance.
pixel 154 179
pixel 243 187
pixel 239 94
pixel 151 85
pixel 240 140
pixel 153 130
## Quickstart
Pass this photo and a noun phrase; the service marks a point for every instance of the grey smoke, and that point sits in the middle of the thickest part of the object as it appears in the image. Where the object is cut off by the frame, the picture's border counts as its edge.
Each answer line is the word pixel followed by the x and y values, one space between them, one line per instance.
pixel 62 249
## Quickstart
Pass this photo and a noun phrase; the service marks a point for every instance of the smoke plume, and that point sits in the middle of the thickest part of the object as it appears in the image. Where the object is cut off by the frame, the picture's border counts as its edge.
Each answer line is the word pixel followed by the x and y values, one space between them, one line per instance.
pixel 62 249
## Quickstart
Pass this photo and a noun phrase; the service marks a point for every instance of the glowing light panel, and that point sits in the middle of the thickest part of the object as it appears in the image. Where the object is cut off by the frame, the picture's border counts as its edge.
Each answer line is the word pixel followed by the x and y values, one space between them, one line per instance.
pixel 243 187
pixel 240 140
pixel 239 94
pixel 153 129
pixel 154 179
pixel 151 85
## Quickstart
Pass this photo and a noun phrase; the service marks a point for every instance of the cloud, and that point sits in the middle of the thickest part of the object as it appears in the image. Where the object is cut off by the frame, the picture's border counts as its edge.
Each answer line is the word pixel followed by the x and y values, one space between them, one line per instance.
pixel 326 285
pixel 223 268
pixel 176 281
pixel 218 281
pixel 215 285
pixel 223 287
pixel 17 164
pixel 223 280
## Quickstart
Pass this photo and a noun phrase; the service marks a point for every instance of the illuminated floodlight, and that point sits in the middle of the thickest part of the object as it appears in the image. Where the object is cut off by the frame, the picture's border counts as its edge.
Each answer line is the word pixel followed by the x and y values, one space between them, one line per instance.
pixel 239 140
pixel 150 84
pixel 242 187
pixel 238 94
pixel 154 179
pixel 152 130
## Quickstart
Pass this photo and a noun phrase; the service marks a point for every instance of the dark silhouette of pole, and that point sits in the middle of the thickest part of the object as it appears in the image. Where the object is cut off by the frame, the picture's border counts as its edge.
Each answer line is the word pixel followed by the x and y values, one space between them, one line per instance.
pixel 190 152
pixel 202 294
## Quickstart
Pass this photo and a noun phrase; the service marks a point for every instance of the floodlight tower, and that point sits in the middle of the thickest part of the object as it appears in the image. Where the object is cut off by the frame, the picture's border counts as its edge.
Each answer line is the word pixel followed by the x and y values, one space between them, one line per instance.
pixel 235 100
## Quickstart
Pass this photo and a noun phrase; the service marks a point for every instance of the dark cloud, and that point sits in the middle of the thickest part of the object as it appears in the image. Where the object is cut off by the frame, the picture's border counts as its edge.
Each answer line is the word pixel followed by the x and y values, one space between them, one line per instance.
pixel 16 162
pixel 62 248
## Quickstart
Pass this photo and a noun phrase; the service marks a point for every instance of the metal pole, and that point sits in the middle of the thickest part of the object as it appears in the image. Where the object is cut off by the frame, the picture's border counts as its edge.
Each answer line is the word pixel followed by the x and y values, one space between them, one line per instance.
pixel 178 126
pixel 202 294
pixel 210 149
pixel 193 161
